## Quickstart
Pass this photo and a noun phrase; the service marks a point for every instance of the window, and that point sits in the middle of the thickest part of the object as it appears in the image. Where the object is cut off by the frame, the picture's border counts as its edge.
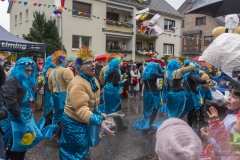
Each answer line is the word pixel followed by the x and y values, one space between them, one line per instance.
pixel 191 43
pixel 20 18
pixel 111 45
pixel 201 21
pixel 15 20
pixel 78 41
pixel 81 7
pixel 168 49
pixel 168 24
pixel 183 21
pixel 112 16
pixel 208 40
pixel 26 14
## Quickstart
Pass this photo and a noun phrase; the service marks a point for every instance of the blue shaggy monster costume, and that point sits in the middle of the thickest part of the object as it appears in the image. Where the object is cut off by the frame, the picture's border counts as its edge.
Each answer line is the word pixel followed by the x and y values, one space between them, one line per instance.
pixel 58 82
pixel 111 95
pixel 193 94
pixel 176 96
pixel 82 98
pixel 48 100
pixel 151 96
pixel 21 132
pixel 112 90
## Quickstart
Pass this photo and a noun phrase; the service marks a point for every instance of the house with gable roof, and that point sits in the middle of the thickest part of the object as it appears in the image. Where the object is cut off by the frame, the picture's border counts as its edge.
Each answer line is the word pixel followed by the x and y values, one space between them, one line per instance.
pixel 101 23
pixel 197 29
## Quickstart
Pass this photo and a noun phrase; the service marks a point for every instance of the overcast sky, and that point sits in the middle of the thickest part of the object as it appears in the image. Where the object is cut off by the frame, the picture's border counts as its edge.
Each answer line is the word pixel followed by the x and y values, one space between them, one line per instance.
pixel 5 22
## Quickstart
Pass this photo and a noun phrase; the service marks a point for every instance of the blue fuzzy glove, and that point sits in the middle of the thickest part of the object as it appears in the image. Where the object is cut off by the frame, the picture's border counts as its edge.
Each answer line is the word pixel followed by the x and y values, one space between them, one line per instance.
pixel 96 119
pixel 187 62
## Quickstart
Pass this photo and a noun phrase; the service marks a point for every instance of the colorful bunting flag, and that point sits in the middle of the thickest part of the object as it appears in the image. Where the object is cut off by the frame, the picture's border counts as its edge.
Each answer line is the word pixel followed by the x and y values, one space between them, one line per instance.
pixel 104 19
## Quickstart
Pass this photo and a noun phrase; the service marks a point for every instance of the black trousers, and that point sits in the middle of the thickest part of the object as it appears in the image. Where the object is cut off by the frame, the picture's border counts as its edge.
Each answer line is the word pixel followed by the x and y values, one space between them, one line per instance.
pixel 202 113
pixel 153 116
pixel 118 120
pixel 190 117
pixel 2 154
pixel 59 130
pixel 15 155
pixel 48 119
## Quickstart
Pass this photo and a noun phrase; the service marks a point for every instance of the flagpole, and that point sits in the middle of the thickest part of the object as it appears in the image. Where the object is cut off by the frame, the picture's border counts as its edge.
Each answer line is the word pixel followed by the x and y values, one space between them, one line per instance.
pixel 62 32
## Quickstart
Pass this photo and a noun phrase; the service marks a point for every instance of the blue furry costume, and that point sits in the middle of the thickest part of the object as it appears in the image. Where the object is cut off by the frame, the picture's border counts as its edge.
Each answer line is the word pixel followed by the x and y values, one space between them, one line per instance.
pixel 111 95
pixel 74 138
pixel 48 104
pixel 18 98
pixel 190 93
pixel 151 96
pixel 176 99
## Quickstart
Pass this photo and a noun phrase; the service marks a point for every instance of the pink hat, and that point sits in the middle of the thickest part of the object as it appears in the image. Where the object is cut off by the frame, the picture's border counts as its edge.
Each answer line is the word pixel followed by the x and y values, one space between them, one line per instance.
pixel 177 140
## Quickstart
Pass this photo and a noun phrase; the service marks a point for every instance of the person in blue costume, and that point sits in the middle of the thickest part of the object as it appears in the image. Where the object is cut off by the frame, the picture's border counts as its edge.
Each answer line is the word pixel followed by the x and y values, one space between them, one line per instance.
pixel 48 105
pixel 194 98
pixel 176 98
pixel 82 94
pixel 18 99
pixel 111 95
pixel 206 94
pixel 58 82
pixel 151 96
pixel 3 112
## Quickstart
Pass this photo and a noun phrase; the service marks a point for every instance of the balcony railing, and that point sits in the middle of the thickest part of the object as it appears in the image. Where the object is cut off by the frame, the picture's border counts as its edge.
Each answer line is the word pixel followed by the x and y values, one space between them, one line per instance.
pixel 147 35
pixel 119 27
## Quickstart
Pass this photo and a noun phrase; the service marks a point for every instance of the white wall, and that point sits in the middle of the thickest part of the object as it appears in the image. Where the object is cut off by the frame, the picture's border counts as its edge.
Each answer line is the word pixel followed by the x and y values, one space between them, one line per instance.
pixel 89 27
pixel 166 39
pixel 23 28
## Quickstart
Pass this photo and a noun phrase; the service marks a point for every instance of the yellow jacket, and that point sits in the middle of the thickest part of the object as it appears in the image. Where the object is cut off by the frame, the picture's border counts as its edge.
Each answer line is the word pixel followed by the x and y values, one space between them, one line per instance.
pixel 63 76
pixel 80 99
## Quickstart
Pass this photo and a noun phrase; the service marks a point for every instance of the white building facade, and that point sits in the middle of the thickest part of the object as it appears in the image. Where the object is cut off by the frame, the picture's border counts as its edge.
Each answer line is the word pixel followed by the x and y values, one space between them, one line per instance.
pixel 92 29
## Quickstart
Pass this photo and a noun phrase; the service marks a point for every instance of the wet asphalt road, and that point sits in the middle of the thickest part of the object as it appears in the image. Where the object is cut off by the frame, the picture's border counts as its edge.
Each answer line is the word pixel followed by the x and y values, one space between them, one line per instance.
pixel 128 145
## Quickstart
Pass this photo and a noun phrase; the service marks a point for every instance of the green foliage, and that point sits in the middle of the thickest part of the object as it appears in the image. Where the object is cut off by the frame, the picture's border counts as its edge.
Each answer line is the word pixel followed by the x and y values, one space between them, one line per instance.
pixel 165 58
pixel 43 30
pixel 182 59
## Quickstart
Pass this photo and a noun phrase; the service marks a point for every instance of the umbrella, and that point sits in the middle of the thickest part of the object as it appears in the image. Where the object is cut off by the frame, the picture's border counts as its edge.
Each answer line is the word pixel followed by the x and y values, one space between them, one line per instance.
pixel 198 59
pixel 224 53
pixel 214 8
pixel 101 57
pixel 152 60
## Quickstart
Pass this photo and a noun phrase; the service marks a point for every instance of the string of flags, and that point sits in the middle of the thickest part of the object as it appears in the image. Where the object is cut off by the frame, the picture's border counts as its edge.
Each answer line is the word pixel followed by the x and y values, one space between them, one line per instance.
pixel 108 21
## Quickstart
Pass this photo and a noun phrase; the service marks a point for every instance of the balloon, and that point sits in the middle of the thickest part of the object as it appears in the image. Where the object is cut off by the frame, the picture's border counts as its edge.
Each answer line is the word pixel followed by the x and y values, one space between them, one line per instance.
pixel 54 16
pixel 60 9
pixel 59 15
pixel 55 11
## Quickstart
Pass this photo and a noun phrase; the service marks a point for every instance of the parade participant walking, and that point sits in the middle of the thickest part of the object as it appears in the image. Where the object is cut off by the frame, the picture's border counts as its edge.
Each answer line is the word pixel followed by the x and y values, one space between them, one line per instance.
pixel 48 106
pixel 151 96
pixel 3 112
pixel 103 70
pixel 58 82
pixel 79 112
pixel 18 98
pixel 111 95
pixel 125 71
pixel 176 98
pixel 135 76
pixel 194 99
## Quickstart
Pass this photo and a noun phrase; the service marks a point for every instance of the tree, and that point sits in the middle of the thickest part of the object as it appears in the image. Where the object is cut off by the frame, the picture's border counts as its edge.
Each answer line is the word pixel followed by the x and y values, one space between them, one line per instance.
pixel 43 30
